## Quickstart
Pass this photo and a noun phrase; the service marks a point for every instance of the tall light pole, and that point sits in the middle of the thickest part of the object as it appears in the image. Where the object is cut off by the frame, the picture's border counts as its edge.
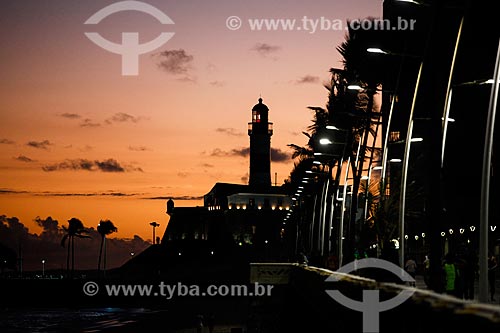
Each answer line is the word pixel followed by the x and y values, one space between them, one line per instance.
pixel 485 183
pixel 154 225
pixel 43 268
pixel 402 193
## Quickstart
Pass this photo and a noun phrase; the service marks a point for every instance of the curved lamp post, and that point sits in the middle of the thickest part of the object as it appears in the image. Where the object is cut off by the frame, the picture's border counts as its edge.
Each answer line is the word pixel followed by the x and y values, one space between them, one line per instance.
pixel 485 183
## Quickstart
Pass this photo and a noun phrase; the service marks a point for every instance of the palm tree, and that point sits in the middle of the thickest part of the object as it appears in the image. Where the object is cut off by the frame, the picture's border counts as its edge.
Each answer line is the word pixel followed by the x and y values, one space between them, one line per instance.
pixel 75 229
pixel 104 228
pixel 352 112
pixel 363 69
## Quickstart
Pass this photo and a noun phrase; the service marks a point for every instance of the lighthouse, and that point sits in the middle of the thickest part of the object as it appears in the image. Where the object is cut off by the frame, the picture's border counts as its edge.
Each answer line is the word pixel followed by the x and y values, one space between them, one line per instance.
pixel 260 131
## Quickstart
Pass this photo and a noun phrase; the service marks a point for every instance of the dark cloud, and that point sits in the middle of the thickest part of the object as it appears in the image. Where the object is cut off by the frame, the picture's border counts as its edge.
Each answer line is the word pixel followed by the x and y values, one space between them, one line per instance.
pixel 47 245
pixel 182 174
pixel 111 194
pixel 109 165
pixel 87 122
pixel 70 115
pixel 10 191
pixel 176 62
pixel 180 198
pixel 6 142
pixel 23 158
pixel 279 156
pixel 307 79
pixel 40 144
pixel 265 49
pixel 207 165
pixel 138 148
pixel 229 131
pixel 244 179
pixel 62 194
pixel 243 152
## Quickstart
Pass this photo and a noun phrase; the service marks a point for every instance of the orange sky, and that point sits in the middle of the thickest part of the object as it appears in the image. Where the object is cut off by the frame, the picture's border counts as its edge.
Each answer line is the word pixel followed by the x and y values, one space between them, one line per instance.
pixel 78 139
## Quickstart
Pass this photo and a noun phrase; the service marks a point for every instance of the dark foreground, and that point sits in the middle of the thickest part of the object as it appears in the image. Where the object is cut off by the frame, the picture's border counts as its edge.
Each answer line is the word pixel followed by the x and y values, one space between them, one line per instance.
pixel 300 305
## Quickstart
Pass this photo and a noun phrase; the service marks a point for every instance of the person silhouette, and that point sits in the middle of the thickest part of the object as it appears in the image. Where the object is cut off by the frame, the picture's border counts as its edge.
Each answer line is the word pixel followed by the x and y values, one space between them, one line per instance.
pixel 411 268
pixel 492 267
pixel 450 274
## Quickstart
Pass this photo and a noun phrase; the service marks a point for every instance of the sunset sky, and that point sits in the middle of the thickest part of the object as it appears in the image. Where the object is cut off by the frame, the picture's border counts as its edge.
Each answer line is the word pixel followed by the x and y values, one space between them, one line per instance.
pixel 79 139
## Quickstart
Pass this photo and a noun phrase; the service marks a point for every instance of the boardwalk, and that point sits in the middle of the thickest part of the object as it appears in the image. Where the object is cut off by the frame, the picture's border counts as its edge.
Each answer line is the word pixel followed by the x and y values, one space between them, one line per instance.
pixel 421 285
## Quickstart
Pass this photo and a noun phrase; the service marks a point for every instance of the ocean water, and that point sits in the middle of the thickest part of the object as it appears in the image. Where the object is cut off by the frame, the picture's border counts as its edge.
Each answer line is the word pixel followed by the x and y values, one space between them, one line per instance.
pixel 73 320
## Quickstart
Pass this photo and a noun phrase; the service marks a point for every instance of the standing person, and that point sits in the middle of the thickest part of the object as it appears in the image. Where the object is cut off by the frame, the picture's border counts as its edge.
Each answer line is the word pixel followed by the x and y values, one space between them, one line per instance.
pixel 460 266
pixel 199 323
pixel 470 273
pixel 411 268
pixel 210 319
pixel 427 270
pixel 449 274
pixel 492 267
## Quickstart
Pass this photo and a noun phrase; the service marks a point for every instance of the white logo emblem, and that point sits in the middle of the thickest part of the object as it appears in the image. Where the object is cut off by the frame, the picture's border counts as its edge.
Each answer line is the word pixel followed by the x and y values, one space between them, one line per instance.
pixel 371 305
pixel 130 49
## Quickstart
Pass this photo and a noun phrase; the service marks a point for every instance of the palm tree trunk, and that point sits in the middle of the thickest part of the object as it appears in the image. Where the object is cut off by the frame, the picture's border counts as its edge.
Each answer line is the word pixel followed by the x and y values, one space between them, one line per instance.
pixel 67 257
pixel 100 255
pixel 358 172
pixel 72 256
pixel 105 254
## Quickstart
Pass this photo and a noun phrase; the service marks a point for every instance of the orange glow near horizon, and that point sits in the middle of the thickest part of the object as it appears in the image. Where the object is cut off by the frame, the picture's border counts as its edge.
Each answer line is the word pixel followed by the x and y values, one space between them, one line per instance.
pixel 78 139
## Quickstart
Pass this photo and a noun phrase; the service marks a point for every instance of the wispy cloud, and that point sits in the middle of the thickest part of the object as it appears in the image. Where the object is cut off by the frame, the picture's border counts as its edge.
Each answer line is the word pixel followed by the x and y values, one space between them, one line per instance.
pixel 40 144
pixel 138 148
pixel 95 194
pixel 218 84
pixel 23 158
pixel 6 142
pixel 180 198
pixel 110 193
pixel 122 117
pixel 87 122
pixel 70 115
pixel 307 79
pixel 265 50
pixel 109 165
pixel 229 131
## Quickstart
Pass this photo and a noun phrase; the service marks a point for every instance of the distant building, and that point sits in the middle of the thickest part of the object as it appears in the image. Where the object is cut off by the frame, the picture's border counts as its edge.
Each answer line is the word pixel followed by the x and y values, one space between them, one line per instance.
pixel 249 216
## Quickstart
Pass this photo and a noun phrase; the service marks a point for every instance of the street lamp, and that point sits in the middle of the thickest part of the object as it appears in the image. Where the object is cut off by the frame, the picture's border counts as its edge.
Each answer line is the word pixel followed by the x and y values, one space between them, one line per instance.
pixel 485 182
pixel 402 193
pixel 154 225
pixel 43 268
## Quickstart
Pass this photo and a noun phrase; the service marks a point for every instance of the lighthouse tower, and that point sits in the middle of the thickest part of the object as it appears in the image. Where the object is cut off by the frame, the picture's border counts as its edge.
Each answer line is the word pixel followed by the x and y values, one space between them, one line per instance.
pixel 260 131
